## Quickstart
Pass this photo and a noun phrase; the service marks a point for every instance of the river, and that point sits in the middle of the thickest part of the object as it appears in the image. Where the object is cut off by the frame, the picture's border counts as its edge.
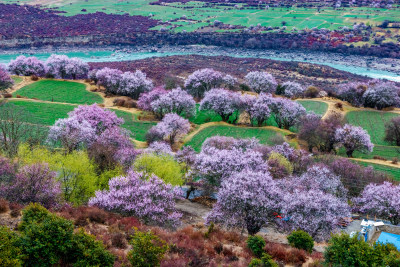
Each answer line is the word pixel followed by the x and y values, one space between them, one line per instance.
pixel 382 68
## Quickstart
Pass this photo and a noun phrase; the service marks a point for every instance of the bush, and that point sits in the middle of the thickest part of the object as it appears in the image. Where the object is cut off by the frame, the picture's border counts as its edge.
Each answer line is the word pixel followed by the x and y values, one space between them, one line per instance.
pixel 34 77
pixel 256 244
pixel 9 252
pixel 147 250
pixel 87 251
pixel 46 239
pixel 256 263
pixel 265 261
pixel 301 240
pixel 311 92
pixel 3 205
pixel 163 166
pixel 344 250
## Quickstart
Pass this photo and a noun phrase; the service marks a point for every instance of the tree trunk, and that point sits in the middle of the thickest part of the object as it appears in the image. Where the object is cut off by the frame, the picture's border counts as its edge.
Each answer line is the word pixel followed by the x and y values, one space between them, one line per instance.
pixel 349 153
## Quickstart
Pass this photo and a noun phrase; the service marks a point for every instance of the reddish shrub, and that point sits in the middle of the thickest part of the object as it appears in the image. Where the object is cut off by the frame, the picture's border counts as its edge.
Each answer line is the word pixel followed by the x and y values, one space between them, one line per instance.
pixel 97 215
pixel 296 256
pixel 82 220
pixel 3 205
pixel 128 223
pixel 19 96
pixel 218 248
pixel 286 254
pixel 6 95
pixel 380 158
pixel 120 102
pixel 118 240
pixel 339 105
pixel 34 77
pixel 130 104
pixel 395 161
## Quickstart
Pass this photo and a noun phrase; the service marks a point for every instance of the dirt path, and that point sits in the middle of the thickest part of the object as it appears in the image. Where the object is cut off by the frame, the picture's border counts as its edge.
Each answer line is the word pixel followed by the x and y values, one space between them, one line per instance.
pixel 380 162
pixel 25 81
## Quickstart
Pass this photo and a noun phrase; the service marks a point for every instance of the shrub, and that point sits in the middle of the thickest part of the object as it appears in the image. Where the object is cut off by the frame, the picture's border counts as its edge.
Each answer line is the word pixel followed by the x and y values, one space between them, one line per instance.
pixel 256 244
pixel 268 261
pixel 311 92
pixel 302 240
pixel 87 251
pixel 46 239
pixel 119 102
pixel 147 249
pixel 118 240
pixel 3 205
pixel 164 166
pixel 34 77
pixel 9 251
pixel 344 250
pixel 256 263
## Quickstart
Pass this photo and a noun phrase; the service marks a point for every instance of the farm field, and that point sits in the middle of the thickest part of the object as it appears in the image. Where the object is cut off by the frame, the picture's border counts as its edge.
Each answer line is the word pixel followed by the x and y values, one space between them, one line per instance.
pixel 261 134
pixel 317 107
pixel 47 113
pixel 59 91
pixel 43 113
pixel 193 15
pixel 373 122
pixel 137 128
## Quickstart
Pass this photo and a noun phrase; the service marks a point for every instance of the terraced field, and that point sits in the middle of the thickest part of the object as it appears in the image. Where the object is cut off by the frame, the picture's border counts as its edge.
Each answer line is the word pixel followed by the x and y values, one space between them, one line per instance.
pixel 373 122
pixel 317 107
pixel 59 91
pixel 261 134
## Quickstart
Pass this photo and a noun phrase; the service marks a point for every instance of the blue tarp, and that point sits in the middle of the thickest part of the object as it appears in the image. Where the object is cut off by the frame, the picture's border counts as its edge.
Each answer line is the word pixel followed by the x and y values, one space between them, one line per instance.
pixel 389 238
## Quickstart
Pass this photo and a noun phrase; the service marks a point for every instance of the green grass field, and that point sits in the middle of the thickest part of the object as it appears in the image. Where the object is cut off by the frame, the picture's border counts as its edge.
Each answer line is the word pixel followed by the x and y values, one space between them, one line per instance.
pixel 388 152
pixel 137 128
pixel 392 171
pixel 198 14
pixel 317 107
pixel 43 113
pixel 261 134
pixel 59 91
pixel 47 113
pixel 373 122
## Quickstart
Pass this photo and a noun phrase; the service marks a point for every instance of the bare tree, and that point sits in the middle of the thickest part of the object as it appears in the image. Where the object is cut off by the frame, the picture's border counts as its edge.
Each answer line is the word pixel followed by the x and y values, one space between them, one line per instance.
pixel 13 128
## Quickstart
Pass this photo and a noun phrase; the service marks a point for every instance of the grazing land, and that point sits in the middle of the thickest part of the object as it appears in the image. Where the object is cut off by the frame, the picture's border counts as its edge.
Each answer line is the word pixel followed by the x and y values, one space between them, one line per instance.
pixel 59 91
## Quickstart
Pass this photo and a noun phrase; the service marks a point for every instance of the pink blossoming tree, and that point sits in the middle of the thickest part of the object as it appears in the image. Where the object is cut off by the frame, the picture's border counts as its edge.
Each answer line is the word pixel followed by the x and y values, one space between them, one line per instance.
pixel 246 199
pixel 151 200
pixel 381 200
pixel 202 81
pixel 259 81
pixel 5 80
pixel 353 138
pixel 27 66
pixel 172 127
pixel 175 101
pixel 223 102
